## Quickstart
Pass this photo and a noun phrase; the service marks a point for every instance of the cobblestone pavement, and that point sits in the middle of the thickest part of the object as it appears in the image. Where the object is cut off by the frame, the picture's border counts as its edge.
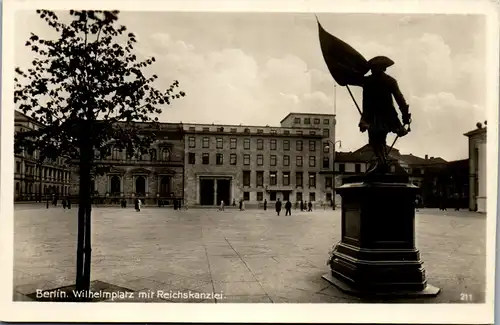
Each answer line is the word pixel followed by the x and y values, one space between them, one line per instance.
pixel 249 256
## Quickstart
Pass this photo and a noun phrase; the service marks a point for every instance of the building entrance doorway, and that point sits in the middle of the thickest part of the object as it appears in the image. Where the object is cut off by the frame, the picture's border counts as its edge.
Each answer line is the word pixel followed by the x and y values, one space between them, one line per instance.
pixel 223 191
pixel 140 186
pixel 207 191
pixel 165 186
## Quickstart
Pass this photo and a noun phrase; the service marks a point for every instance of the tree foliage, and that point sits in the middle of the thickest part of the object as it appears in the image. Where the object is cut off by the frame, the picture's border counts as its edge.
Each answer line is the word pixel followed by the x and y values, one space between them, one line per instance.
pixel 87 89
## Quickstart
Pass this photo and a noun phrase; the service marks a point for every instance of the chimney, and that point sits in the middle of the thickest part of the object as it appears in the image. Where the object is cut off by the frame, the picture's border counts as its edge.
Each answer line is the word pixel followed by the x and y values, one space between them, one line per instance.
pixel 426 157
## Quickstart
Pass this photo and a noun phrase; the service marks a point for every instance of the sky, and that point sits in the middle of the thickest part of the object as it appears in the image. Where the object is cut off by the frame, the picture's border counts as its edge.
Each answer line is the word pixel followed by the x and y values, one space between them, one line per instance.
pixel 255 68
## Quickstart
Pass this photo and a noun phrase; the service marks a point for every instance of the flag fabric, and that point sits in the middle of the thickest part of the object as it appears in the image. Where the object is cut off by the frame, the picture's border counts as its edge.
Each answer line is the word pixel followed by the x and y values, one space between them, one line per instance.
pixel 346 65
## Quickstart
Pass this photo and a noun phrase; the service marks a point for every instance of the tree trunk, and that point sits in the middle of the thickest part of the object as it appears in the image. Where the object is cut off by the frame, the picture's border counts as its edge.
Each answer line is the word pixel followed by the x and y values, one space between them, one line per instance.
pixel 84 222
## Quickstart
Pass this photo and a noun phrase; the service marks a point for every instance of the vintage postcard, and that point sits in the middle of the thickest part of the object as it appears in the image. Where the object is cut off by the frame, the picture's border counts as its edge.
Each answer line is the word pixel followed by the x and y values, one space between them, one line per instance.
pixel 236 161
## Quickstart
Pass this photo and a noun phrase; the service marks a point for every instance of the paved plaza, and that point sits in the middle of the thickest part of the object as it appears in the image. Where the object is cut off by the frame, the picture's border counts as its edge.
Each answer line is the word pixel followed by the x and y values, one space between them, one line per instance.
pixel 248 256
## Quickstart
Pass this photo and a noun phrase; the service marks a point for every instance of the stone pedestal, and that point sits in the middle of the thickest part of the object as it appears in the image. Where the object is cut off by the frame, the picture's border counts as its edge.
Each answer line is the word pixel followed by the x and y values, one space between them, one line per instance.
pixel 377 253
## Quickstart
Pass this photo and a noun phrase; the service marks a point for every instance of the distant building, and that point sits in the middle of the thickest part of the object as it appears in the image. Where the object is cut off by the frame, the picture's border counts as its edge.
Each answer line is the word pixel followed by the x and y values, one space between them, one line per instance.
pixel 35 180
pixel 477 168
pixel 256 163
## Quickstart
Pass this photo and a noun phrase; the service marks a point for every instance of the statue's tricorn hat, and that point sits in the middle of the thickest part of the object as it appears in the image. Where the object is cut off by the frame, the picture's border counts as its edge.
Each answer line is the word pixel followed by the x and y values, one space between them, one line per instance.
pixel 380 62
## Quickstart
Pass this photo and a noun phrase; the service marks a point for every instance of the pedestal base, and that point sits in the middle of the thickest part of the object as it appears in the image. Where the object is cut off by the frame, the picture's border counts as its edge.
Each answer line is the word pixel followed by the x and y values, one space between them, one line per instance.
pixel 377 254
pixel 429 290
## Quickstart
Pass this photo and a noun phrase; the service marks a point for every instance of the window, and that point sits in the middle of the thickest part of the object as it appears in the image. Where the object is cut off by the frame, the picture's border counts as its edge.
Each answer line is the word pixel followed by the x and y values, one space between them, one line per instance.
pixel 191 158
pixel 328 182
pixel 233 143
pixel 307 120
pixel 260 144
pixel 326 133
pixel 312 146
pixel 272 178
pixel 312 179
pixel 165 154
pixel 357 168
pixel 205 159
pixel 312 161
pixel 286 132
pixel 286 160
pixel 273 144
pixel 260 196
pixel 298 145
pixel 286 196
pixel 152 154
pixel 246 196
pixel 18 167
pixel 312 132
pixel 326 147
pixel 232 159
pixel 342 168
pixel 272 196
pixel 116 154
pixel 233 130
pixel 299 179
pixel 296 120
pixel 260 131
pixel 246 159
pixel 260 179
pixel 219 159
pixel 205 143
pixel 286 145
pixel 260 160
pixel 298 161
pixel 286 179
pixel 206 129
pixel 326 162
pixel 246 144
pixel 312 197
pixel 299 196
pixel 192 128
pixel 219 143
pixel 273 160
pixel 273 132
pixel 247 130
pixel 192 142
pixel 326 121
pixel 299 132
pixel 246 178
pixel 317 121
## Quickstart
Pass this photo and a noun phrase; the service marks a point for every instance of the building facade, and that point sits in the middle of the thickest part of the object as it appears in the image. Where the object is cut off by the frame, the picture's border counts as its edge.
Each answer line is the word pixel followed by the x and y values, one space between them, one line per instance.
pixel 255 163
pixel 35 180
pixel 477 168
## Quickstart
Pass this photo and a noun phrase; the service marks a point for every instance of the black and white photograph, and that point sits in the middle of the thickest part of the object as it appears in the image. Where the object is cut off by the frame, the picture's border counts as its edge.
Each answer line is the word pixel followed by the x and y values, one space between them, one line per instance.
pixel 319 162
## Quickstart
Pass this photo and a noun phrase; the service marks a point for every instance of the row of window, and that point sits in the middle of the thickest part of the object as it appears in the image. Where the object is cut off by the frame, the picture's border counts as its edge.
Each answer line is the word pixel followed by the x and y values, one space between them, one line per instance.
pixel 47 172
pixel 286 196
pixel 273 160
pixel 260 131
pixel 165 155
pixel 30 188
pixel 307 120
pixel 285 181
pixel 233 144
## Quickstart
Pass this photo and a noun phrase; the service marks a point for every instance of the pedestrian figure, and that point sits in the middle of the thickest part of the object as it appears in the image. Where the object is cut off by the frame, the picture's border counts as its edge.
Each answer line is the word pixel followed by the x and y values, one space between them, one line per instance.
pixel 301 205
pixel 416 204
pixel 175 204
pixel 221 205
pixel 68 203
pixel 456 198
pixel 310 205
pixel 64 203
pixel 288 208
pixel 234 202
pixel 241 205
pixel 265 204
pixel 278 206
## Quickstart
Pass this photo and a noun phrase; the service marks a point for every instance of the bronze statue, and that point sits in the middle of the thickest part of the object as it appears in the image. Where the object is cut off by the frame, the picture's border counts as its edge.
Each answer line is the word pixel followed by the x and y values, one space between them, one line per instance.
pixel 379 117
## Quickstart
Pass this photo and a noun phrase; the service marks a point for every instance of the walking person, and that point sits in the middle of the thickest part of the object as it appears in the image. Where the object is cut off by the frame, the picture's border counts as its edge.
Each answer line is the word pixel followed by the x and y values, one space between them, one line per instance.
pixel 288 208
pixel 241 205
pixel 301 205
pixel 64 203
pixel 234 202
pixel 68 202
pixel 221 205
pixel 310 206
pixel 265 204
pixel 278 206
pixel 137 205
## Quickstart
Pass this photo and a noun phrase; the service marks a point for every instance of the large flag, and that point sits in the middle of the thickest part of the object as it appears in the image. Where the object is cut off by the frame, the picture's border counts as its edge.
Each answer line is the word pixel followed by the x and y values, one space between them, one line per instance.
pixel 346 65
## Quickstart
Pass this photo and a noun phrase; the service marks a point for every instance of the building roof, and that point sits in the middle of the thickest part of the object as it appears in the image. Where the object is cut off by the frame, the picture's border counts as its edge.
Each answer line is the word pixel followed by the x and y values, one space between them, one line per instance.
pixel 309 114
pixel 476 132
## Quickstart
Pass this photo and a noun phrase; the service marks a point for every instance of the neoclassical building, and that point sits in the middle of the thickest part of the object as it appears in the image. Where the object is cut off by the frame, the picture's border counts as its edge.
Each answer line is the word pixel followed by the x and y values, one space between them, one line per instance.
pixel 477 168
pixel 157 175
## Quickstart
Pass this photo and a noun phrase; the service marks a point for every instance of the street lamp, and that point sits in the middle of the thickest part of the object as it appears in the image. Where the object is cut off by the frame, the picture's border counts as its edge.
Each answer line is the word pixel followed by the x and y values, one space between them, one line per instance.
pixel 329 142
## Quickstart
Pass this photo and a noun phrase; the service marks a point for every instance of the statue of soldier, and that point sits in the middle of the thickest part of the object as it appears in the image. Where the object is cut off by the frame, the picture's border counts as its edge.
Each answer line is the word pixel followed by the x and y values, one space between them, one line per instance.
pixel 379 114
